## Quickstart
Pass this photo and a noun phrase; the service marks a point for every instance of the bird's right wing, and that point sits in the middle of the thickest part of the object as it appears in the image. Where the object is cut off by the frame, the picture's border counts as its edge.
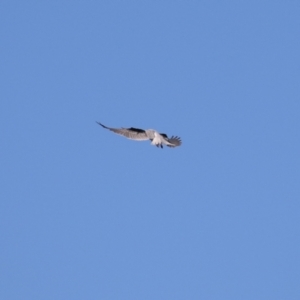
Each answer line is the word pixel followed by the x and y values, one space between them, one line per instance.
pixel 175 141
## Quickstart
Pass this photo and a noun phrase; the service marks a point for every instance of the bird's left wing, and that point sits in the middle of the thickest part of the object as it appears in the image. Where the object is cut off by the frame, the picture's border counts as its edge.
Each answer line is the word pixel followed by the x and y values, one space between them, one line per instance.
pixel 131 133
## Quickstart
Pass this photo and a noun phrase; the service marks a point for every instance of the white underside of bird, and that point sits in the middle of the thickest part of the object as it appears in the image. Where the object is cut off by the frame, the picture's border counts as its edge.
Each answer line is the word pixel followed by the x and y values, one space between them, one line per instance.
pixel 156 138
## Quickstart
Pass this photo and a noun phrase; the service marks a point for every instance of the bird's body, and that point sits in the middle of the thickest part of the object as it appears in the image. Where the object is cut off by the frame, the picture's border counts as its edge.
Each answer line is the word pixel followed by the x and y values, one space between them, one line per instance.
pixel 156 138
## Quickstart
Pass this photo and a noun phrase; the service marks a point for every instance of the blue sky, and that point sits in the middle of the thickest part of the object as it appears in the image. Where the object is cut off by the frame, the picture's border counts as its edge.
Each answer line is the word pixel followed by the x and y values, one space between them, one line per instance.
pixel 86 214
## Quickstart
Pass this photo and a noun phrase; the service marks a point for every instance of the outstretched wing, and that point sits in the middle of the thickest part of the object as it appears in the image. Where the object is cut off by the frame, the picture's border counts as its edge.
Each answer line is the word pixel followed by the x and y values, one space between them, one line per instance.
pixel 130 133
pixel 173 141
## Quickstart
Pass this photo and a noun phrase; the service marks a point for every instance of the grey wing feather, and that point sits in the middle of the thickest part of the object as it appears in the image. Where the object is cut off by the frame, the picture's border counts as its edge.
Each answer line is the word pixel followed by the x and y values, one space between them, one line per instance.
pixel 175 141
pixel 130 133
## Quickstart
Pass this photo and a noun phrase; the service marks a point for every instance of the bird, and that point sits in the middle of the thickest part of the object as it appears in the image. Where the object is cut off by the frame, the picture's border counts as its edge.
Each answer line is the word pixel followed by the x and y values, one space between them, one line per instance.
pixel 157 139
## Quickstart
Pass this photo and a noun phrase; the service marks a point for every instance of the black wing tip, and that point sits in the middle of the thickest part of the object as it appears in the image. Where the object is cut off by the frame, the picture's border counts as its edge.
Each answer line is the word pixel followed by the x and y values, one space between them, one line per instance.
pixel 101 124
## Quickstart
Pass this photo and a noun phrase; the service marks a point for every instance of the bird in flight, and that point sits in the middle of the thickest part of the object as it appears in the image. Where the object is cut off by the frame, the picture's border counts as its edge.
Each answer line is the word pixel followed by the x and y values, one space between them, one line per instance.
pixel 157 139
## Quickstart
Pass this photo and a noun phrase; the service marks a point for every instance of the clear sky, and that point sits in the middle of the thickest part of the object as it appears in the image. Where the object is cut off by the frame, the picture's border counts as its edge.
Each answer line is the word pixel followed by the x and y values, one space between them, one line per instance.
pixel 87 214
